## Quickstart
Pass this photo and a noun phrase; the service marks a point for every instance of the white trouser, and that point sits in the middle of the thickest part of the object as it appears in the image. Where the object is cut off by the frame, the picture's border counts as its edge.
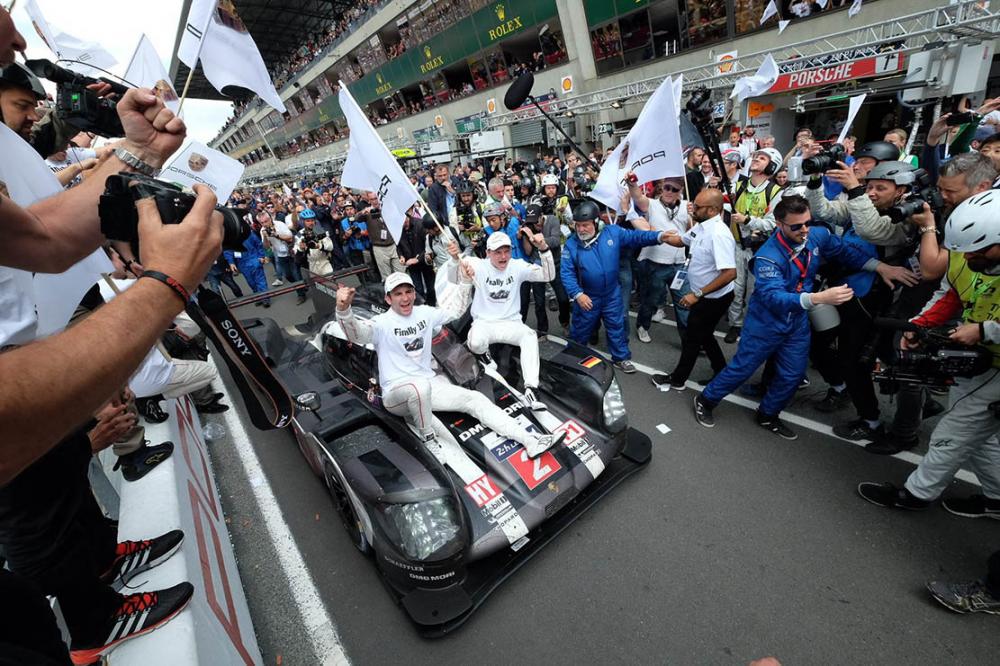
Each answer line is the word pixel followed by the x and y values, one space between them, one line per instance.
pixel 742 286
pixel 386 259
pixel 187 377
pixel 484 333
pixel 964 436
pixel 416 401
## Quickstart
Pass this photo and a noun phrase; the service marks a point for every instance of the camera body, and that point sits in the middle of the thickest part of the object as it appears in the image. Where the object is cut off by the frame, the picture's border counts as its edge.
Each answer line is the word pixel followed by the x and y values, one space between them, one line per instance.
pixel 87 112
pixel 956 119
pixel 935 364
pixel 825 161
pixel 120 220
pixel 922 191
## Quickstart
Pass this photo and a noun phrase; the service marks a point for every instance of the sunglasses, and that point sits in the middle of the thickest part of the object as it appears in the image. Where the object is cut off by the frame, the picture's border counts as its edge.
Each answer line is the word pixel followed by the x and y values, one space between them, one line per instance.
pixel 671 188
pixel 799 226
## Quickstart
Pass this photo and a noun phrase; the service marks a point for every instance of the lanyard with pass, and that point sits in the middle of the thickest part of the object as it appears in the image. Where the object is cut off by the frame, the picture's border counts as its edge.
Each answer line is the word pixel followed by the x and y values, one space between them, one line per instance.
pixel 803 269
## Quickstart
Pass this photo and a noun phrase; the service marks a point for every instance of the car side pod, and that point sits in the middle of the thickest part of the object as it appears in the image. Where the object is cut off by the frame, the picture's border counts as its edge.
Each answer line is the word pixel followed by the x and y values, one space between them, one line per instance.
pixel 438 612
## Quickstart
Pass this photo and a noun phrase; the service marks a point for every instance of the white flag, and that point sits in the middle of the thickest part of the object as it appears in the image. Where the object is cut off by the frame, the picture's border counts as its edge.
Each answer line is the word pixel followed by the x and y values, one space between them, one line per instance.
pixel 759 83
pixel 215 35
pixel 853 107
pixel 822 3
pixel 782 25
pixel 769 11
pixel 609 188
pixel 197 163
pixel 854 9
pixel 147 71
pixel 371 167
pixel 28 179
pixel 68 47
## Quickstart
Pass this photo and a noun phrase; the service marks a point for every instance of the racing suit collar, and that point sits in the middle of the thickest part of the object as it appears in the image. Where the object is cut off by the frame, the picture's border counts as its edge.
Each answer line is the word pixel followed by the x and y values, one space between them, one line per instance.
pixel 586 244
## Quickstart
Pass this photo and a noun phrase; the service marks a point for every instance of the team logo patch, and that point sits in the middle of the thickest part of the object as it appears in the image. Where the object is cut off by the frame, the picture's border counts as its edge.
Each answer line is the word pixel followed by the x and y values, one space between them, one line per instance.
pixel 197 162
pixel 226 15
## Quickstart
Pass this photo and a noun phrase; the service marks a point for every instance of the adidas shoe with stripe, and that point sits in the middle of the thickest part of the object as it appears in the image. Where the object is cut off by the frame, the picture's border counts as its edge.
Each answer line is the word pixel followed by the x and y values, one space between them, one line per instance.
pixel 134 557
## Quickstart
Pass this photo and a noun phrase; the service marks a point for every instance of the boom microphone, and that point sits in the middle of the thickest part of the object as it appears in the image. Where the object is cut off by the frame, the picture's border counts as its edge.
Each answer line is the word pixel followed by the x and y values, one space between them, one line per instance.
pixel 519 91
pixel 46 69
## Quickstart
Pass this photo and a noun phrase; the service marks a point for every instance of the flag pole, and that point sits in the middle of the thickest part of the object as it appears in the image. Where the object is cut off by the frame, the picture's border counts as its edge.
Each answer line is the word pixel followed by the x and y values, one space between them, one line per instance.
pixel 184 94
pixel 197 57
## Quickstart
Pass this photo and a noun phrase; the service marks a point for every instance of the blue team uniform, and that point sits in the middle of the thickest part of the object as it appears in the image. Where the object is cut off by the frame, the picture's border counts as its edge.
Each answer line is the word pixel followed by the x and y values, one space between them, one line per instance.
pixel 249 262
pixel 592 269
pixel 777 324
pixel 513 226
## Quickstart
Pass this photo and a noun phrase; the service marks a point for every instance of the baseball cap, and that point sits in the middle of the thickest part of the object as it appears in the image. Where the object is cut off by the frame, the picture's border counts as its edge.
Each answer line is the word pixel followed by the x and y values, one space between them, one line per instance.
pixel 497 240
pixel 396 279
pixel 533 212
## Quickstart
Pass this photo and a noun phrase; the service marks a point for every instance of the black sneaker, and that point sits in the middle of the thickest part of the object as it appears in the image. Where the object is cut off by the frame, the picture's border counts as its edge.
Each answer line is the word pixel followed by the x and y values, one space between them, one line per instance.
pixel 703 413
pixel 134 557
pixel 625 366
pixel 889 445
pixel 891 497
pixel 804 383
pixel 733 334
pixel 973 506
pixel 139 614
pixel 214 407
pixel 140 462
pixel 776 425
pixel 970 597
pixel 833 401
pixel 150 409
pixel 664 382
pixel 858 430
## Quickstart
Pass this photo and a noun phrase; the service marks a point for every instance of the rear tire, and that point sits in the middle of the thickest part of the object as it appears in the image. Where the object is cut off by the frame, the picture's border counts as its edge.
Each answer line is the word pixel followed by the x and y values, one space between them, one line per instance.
pixel 345 509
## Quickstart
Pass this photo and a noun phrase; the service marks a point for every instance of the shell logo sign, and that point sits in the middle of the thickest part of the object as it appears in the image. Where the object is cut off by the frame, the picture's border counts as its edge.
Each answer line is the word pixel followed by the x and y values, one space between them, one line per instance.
pixel 567 84
pixel 726 61
pixel 756 109
pixel 491 105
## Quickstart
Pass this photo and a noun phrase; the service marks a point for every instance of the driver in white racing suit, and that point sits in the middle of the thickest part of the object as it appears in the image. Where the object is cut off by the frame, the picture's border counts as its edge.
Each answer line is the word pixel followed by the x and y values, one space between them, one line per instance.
pixel 496 306
pixel 402 338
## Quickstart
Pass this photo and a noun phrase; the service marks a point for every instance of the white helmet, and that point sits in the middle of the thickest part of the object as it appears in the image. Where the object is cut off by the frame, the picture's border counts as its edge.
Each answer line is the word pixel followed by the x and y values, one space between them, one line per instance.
pixel 775 157
pixel 550 179
pixel 974 224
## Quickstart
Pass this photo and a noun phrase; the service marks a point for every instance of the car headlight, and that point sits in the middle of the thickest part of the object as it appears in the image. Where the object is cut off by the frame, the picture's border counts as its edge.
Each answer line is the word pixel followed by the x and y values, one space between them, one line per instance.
pixel 615 418
pixel 424 528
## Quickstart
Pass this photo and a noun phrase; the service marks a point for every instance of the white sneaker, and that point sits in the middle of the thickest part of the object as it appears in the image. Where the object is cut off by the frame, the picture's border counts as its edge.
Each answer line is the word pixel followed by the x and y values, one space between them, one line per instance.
pixel 643 334
pixel 659 316
pixel 532 402
pixel 543 444
pixel 277 282
pixel 435 447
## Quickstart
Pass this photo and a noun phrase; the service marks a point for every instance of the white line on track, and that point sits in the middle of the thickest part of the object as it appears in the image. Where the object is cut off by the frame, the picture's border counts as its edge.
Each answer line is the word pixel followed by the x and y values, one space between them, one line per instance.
pixel 805 422
pixel 320 629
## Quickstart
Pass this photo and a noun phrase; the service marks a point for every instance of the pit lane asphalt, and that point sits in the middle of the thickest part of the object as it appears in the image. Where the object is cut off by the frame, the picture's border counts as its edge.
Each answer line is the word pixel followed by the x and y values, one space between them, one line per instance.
pixel 733 544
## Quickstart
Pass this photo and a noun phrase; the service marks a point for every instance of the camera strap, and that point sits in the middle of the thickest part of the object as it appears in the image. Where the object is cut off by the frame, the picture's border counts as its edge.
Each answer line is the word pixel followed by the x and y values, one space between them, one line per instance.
pixel 266 399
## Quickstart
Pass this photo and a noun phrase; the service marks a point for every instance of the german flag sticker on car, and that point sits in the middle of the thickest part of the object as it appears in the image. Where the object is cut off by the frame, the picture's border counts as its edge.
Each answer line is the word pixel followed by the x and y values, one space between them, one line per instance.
pixel 590 362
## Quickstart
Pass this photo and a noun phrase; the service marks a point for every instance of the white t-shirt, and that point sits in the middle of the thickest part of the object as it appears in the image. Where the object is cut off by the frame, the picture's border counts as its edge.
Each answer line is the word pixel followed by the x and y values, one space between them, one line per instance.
pixel 278 246
pixel 404 343
pixel 713 250
pixel 498 293
pixel 661 218
pixel 19 322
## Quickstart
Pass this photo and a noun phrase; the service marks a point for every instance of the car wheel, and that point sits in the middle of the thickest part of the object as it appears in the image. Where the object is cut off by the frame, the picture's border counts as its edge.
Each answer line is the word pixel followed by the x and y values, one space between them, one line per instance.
pixel 345 509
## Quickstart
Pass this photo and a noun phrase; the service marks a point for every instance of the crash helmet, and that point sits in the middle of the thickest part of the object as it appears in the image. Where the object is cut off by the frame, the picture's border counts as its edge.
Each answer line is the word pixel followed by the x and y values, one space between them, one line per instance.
pixel 974 224
pixel 880 151
pixel 17 75
pixel 465 187
pixel 307 214
pixel 550 179
pixel 493 210
pixel 775 160
pixel 900 173
pixel 586 211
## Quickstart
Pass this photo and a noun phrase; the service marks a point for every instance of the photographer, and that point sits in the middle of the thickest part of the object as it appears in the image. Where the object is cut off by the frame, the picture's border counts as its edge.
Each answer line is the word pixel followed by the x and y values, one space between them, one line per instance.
pixel 383 245
pixel 552 202
pixel 468 216
pixel 355 234
pixel 412 256
pixel 277 236
pixel 20 93
pixel 314 245
pixel 967 299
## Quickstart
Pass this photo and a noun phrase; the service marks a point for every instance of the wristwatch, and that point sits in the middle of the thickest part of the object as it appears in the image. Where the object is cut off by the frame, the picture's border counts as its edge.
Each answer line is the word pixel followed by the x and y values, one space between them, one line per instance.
pixel 697 292
pixel 136 163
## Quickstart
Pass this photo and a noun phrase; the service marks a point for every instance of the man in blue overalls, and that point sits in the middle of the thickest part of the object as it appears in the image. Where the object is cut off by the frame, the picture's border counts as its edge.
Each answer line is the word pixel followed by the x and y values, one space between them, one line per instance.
pixel 589 271
pixel 777 323
pixel 250 261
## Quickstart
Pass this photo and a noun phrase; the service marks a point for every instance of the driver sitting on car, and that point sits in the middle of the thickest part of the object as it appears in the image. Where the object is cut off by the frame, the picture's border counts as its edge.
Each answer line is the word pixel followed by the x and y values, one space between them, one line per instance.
pixel 496 306
pixel 402 338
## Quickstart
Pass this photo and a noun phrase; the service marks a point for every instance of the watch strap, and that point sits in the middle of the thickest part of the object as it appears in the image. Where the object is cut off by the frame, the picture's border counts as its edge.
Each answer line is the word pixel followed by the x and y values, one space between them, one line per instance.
pixel 136 163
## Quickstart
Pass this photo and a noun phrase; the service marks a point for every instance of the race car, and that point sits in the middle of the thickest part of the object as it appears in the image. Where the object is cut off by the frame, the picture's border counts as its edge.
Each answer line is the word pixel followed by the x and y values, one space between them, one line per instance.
pixel 446 530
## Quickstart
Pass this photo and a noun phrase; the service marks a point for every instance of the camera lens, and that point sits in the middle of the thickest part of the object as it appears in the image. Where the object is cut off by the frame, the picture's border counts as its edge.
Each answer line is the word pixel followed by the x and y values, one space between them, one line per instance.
pixel 235 230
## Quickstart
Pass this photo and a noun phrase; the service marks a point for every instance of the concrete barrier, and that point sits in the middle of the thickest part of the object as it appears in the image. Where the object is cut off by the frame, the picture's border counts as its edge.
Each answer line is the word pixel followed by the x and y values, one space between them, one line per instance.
pixel 215 628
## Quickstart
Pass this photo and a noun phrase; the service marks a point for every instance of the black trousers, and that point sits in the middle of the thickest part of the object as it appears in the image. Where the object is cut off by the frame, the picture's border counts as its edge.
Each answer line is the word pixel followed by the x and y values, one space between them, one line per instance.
pixel 562 298
pixel 702 320
pixel 54 535
pixel 423 281
pixel 541 312
pixel 28 630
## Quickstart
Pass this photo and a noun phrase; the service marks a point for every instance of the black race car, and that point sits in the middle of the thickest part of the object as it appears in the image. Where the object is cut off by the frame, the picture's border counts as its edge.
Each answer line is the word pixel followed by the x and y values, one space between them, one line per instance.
pixel 446 534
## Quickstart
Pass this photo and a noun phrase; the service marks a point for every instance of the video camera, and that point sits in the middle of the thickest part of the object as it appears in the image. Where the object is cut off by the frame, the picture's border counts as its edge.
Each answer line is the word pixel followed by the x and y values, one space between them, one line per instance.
pixel 78 106
pixel 937 362
pixel 825 160
pixel 120 220
pixel 921 191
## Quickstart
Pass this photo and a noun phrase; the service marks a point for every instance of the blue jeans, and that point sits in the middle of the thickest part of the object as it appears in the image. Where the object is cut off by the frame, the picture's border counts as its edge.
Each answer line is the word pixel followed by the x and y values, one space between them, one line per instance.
pixel 654 281
pixel 288 270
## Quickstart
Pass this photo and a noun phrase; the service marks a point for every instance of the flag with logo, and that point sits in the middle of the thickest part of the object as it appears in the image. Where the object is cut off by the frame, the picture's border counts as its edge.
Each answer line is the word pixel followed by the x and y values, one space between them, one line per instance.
pixel 28 179
pixel 757 83
pixel 147 70
pixel 769 11
pixel 370 166
pixel 215 35
pixel 69 48
pixel 196 164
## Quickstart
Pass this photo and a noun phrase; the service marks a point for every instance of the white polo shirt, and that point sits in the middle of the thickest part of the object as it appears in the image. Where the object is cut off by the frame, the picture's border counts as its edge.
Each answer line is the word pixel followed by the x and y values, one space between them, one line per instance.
pixel 713 250
pixel 661 218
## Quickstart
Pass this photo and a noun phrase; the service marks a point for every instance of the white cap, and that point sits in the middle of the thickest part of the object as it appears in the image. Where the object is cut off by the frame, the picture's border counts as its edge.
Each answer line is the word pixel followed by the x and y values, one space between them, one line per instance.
pixel 497 240
pixel 396 279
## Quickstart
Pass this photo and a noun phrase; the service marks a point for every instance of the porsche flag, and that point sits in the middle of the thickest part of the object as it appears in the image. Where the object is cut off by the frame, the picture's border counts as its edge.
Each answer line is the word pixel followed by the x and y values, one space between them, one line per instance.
pixel 69 48
pixel 370 166
pixel 197 163
pixel 147 70
pixel 215 35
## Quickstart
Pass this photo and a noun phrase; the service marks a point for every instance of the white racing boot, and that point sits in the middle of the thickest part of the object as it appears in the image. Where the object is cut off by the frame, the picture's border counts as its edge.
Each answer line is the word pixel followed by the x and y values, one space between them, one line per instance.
pixel 543 444
pixel 531 401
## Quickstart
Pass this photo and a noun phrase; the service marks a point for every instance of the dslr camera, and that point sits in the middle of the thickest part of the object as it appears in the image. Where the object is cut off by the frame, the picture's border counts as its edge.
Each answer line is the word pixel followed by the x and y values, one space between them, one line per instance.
pixel 921 191
pixel 120 220
pixel 825 161
pixel 935 364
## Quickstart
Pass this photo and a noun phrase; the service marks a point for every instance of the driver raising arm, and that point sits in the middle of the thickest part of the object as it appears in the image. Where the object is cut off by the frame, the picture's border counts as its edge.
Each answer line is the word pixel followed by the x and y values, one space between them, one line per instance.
pixel 496 306
pixel 402 338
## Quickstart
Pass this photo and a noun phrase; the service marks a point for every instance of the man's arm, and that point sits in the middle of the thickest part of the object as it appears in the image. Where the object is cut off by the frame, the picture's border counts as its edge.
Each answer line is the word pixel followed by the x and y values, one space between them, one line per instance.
pixel 358 331
pixel 639 199
pixel 567 271
pixel 832 212
pixel 455 300
pixel 54 385
pixel 544 272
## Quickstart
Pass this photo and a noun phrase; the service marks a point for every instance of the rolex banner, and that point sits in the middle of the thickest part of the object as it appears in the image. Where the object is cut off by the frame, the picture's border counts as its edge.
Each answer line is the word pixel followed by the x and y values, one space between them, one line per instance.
pixel 370 166
pixel 215 35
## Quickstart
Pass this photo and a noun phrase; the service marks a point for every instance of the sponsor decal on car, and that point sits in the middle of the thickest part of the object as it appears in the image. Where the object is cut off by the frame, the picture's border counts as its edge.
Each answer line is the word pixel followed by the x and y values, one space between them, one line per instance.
pixel 590 362
pixel 576 441
pixel 534 471
pixel 482 491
